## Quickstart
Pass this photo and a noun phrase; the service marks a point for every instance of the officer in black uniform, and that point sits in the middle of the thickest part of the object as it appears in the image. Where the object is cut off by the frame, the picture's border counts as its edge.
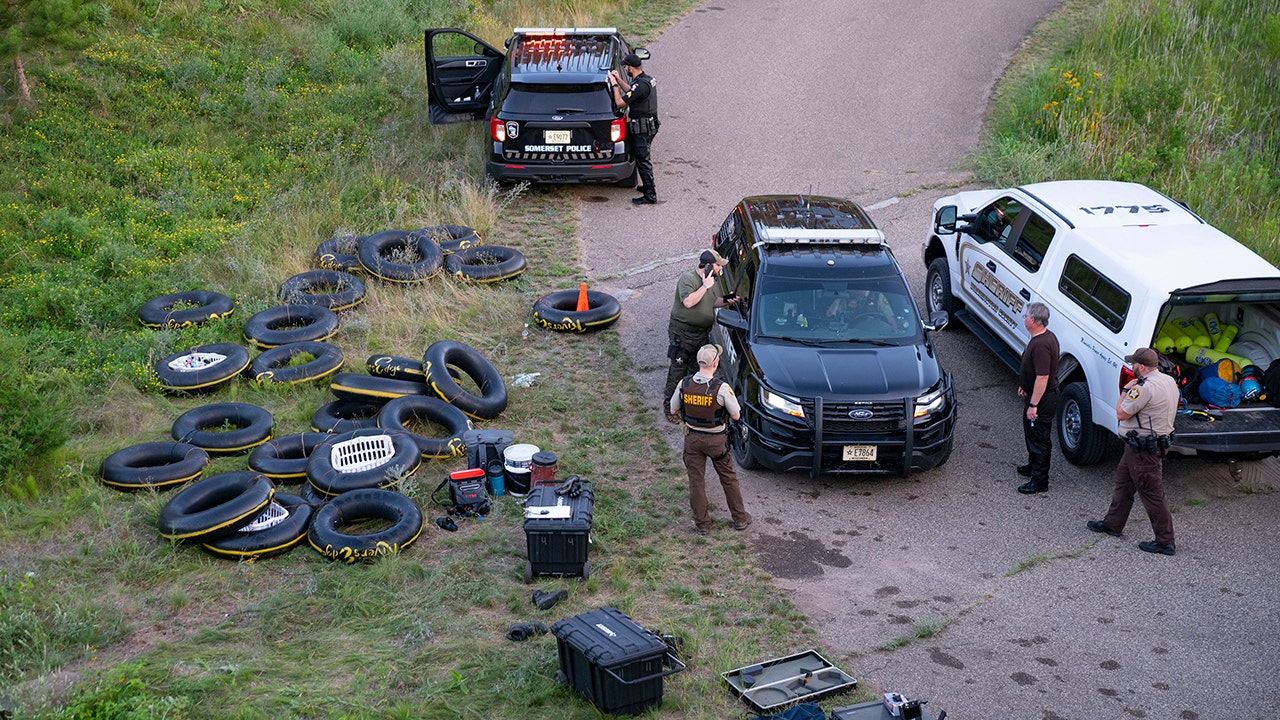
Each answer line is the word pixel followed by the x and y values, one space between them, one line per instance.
pixel 639 93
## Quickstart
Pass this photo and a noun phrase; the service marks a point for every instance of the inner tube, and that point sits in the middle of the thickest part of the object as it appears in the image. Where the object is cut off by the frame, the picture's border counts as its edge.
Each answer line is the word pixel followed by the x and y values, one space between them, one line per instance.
pixel 342 416
pixel 200 427
pixel 185 309
pixel 378 250
pixel 396 368
pixel 283 535
pixel 342 289
pixel 434 410
pixel 286 324
pixel 340 253
pixel 326 536
pixel 356 386
pixel 284 459
pixel 153 466
pixel 215 507
pixel 558 311
pixel 365 458
pixel 202 368
pixel 493 392
pixel 273 366
pixel 485 263
pixel 450 238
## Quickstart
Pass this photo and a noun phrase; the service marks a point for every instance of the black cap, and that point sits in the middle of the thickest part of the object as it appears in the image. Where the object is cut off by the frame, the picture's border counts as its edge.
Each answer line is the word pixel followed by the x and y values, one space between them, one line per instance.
pixel 631 59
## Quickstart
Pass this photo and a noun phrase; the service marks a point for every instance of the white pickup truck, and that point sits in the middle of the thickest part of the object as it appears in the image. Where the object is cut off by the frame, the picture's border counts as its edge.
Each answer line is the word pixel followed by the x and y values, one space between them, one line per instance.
pixel 1120 267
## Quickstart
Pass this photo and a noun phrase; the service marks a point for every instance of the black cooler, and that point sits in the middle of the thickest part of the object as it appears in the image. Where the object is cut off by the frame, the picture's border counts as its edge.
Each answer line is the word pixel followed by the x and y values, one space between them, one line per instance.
pixel 613 662
pixel 557 530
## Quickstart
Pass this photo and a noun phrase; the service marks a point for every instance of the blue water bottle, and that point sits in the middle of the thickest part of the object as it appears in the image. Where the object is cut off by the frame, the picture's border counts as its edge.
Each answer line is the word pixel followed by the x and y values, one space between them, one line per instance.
pixel 497 477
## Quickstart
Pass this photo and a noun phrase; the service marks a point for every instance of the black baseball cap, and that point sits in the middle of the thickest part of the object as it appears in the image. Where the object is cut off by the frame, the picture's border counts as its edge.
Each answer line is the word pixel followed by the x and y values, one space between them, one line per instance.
pixel 631 59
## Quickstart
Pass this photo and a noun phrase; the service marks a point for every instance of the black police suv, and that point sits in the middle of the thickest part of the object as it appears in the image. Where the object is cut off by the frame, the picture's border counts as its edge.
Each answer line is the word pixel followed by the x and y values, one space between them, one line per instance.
pixel 825 349
pixel 551 116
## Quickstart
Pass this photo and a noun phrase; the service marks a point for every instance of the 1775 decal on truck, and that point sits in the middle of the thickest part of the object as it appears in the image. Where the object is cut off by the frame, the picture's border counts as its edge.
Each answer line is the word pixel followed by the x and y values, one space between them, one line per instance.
pixel 1120 267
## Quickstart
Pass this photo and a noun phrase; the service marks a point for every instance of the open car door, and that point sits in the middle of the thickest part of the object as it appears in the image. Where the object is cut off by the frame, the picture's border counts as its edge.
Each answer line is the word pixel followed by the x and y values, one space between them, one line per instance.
pixel 461 70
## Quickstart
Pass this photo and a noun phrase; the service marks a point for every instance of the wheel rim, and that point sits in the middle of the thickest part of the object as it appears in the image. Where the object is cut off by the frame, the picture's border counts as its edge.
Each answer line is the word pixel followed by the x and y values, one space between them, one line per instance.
pixel 935 293
pixel 1071 425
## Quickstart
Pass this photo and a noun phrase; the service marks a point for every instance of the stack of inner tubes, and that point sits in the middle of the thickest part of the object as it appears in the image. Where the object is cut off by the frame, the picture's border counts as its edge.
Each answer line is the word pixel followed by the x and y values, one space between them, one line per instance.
pixel 215 507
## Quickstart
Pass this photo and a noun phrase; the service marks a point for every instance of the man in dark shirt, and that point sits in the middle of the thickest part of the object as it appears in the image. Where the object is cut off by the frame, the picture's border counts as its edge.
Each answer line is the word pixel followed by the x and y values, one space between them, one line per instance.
pixel 1038 384
pixel 639 93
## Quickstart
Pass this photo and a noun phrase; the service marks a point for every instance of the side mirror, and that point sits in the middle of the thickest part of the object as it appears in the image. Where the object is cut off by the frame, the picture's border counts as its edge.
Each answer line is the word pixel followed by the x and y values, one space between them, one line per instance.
pixel 642 53
pixel 731 318
pixel 937 320
pixel 944 222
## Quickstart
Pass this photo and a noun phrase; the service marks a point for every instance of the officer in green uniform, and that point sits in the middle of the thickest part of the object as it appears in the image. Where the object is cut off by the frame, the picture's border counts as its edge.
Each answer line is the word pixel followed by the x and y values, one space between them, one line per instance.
pixel 693 312
pixel 705 404
pixel 1146 412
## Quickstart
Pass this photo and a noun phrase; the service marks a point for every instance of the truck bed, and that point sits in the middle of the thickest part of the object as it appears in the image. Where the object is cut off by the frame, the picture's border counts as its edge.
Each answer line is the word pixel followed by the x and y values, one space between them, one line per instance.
pixel 1253 429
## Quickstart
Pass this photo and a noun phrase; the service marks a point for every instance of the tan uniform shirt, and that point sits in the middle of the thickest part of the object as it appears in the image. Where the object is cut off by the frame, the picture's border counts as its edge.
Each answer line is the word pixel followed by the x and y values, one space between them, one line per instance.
pixel 1153 404
pixel 725 397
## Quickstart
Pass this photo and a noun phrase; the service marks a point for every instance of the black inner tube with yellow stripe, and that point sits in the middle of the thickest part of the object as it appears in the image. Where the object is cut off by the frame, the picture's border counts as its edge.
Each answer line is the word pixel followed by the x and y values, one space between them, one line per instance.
pixel 250 426
pixel 326 536
pixel 558 311
pixel 269 542
pixel 216 506
pixel 153 466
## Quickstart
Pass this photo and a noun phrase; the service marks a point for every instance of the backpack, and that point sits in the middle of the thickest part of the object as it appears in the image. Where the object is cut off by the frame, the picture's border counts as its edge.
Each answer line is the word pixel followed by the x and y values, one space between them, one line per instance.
pixel 1271 383
pixel 1226 369
pixel 1219 393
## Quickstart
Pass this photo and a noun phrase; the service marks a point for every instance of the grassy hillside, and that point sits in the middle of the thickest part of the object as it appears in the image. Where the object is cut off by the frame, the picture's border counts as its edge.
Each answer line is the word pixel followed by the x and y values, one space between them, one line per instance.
pixel 1182 95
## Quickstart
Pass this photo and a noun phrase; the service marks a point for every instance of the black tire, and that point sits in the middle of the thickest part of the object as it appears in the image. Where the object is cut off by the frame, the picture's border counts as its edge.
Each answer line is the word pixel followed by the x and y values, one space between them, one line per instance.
pixel 284 459
pixel 937 288
pixel 396 368
pixel 160 312
pixel 202 368
pixel 346 290
pixel 215 507
pixel 153 466
pixel 485 263
pixel 740 443
pixel 329 480
pixel 328 539
pixel 356 386
pixel 434 410
pixel 342 416
pixel 375 249
pixel 437 360
pixel 340 253
pixel 450 238
pixel 558 311
pixel 252 427
pixel 269 542
pixel 1082 441
pixel 273 366
pixel 286 324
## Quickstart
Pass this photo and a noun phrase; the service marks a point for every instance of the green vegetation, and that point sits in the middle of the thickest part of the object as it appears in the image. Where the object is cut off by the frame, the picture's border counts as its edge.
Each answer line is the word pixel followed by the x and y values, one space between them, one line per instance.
pixel 199 144
pixel 1178 94
pixel 922 630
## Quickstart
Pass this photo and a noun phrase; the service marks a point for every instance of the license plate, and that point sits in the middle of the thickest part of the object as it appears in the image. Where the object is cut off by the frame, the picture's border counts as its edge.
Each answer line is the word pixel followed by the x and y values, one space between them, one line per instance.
pixel 558 137
pixel 859 452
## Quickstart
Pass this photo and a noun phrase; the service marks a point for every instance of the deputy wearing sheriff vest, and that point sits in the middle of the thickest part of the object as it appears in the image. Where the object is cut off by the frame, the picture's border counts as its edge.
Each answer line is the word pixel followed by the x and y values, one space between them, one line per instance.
pixel 1146 411
pixel 706 404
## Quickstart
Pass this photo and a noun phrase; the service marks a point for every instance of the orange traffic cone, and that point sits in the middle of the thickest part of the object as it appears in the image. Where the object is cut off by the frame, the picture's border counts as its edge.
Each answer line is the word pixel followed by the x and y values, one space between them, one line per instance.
pixel 583 305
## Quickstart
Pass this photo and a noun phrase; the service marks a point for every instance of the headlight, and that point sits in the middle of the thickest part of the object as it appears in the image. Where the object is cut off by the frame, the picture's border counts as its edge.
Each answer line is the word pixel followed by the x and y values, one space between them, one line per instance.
pixel 931 402
pixel 781 403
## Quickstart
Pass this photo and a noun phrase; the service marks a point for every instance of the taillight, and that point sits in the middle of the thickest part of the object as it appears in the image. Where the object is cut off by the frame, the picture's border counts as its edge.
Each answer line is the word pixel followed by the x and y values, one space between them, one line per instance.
pixel 618 130
pixel 1126 376
pixel 498 129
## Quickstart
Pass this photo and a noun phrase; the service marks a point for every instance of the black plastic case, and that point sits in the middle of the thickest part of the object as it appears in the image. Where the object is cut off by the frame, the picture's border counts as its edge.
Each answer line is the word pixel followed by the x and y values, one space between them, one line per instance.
pixel 613 662
pixel 803 677
pixel 558 546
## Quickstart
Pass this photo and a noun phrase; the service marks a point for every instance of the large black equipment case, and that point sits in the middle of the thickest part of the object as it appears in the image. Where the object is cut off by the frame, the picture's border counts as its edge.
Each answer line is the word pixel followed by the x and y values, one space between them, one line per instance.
pixel 613 662
pixel 486 445
pixel 558 546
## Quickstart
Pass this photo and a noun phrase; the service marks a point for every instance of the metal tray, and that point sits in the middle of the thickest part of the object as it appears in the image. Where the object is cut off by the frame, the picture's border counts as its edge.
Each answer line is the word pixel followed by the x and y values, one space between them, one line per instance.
pixel 802 677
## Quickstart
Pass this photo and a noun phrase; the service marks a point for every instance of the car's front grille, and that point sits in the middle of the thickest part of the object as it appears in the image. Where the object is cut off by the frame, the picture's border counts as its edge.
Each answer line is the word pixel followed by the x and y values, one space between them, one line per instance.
pixel 838 420
pixel 600 154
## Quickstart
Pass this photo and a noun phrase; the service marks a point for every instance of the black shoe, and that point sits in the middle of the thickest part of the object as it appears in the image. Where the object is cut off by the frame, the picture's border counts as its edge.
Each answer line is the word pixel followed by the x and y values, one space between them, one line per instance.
pixel 1031 488
pixel 1100 527
pixel 546 601
pixel 1152 546
pixel 644 200
pixel 524 631
pixel 1025 470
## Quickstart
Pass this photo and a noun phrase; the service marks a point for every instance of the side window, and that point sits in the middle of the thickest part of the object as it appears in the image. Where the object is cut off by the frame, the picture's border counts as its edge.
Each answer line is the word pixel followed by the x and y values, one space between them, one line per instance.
pixel 729 232
pixel 1033 241
pixel 1091 290
pixel 995 221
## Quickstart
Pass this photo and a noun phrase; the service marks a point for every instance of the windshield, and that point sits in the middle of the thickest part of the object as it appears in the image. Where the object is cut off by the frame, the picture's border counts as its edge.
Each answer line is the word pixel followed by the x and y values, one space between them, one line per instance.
pixel 873 310
pixel 559 99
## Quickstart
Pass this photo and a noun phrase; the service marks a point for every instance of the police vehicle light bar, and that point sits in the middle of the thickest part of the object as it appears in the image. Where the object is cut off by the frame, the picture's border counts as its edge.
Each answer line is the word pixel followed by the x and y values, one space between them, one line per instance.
pixel 564 31
pixel 787 236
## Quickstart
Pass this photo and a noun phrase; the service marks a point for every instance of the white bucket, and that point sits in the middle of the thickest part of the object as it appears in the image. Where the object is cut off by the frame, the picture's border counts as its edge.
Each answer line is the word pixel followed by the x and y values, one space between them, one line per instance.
pixel 519 457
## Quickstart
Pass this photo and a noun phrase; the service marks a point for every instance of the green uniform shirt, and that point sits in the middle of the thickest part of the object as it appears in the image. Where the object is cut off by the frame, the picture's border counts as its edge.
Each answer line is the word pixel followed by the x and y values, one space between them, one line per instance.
pixel 703 314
